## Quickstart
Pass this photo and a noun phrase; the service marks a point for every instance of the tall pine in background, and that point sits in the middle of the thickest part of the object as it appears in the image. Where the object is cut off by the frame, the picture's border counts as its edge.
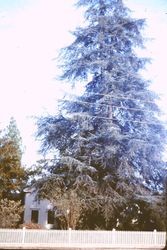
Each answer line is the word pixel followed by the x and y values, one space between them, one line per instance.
pixel 109 142
pixel 12 174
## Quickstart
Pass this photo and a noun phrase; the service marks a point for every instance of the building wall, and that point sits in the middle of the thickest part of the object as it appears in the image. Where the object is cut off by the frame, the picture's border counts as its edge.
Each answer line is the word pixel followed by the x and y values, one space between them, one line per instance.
pixel 34 204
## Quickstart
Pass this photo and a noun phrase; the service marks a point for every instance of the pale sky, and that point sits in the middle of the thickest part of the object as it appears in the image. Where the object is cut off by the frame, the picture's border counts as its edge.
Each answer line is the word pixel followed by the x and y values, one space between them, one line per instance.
pixel 31 34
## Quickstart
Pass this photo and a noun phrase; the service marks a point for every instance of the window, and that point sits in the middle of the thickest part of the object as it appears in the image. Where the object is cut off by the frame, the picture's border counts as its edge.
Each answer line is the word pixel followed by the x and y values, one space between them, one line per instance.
pixel 34 216
pixel 50 217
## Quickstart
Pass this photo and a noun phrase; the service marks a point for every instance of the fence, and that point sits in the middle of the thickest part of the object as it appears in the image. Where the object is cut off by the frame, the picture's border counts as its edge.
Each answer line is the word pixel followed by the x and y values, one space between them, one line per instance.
pixel 81 239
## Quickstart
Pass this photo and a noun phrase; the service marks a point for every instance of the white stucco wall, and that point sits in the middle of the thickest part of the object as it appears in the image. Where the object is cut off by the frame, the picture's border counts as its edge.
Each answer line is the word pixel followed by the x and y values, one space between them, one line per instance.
pixel 42 206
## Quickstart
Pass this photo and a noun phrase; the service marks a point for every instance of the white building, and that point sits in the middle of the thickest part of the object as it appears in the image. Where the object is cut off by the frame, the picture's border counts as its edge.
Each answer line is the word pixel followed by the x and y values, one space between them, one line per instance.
pixel 37 211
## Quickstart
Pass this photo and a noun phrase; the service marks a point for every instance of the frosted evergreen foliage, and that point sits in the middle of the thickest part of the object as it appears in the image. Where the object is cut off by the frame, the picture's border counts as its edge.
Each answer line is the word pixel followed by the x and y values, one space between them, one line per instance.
pixel 110 139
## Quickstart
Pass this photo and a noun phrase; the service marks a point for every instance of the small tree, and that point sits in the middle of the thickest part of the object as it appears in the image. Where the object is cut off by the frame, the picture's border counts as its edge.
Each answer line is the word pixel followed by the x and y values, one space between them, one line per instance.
pixel 68 209
pixel 10 213
pixel 69 203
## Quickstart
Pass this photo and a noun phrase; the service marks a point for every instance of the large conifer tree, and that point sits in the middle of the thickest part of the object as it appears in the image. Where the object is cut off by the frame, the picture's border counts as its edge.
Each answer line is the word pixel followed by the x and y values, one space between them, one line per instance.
pixel 109 141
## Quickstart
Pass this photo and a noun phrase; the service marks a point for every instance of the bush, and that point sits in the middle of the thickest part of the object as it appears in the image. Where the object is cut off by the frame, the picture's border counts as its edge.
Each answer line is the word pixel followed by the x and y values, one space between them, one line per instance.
pixel 31 225
pixel 10 213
